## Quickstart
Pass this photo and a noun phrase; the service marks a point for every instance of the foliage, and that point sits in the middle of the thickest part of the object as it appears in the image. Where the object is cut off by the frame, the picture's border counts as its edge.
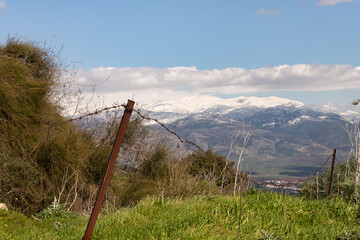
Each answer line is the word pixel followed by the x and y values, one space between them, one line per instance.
pixel 353 235
pixel 135 134
pixel 268 236
pixel 206 217
pixel 201 164
pixel 160 171
pixel 343 181
pixel 69 162
pixel 56 209
pixel 216 167
pixel 155 166
pixel 50 163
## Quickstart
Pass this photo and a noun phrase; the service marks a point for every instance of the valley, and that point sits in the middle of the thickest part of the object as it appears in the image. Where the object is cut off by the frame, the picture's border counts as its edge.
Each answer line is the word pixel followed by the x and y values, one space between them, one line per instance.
pixel 289 139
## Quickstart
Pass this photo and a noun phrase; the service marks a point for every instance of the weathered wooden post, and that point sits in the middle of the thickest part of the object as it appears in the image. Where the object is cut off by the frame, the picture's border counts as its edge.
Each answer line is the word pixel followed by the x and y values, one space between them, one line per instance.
pixel 114 154
pixel 331 172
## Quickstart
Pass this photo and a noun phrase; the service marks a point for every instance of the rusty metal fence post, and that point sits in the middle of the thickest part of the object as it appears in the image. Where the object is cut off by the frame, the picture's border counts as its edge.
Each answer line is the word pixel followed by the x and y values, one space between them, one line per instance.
pixel 114 154
pixel 331 173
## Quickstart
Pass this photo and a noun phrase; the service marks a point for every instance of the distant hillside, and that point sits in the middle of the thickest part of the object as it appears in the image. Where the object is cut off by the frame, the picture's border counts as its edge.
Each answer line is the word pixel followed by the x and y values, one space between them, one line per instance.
pixel 289 138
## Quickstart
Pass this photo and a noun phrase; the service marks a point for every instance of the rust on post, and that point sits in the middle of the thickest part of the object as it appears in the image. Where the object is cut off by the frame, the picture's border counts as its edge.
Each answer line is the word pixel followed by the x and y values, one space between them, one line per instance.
pixel 331 172
pixel 114 154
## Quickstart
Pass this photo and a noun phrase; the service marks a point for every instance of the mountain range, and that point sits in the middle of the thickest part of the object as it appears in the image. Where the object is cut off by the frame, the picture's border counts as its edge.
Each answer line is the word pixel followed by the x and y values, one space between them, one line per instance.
pixel 289 139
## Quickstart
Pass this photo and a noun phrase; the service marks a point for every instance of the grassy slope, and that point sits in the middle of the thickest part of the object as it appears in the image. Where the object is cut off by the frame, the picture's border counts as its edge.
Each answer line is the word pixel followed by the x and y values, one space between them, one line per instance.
pixel 199 218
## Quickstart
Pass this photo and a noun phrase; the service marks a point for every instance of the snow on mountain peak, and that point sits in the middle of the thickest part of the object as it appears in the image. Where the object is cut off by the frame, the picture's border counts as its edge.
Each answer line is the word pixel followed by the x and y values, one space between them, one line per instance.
pixel 268 102
pixel 193 104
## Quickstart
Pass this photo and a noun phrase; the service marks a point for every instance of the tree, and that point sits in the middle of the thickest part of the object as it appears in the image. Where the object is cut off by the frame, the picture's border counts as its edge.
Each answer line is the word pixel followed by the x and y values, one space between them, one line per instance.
pixel 357 148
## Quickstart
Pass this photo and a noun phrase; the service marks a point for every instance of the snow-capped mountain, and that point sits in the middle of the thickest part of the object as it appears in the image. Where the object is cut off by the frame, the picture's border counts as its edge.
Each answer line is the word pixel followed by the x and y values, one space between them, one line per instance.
pixel 286 133
pixel 242 107
pixel 204 102
pixel 174 109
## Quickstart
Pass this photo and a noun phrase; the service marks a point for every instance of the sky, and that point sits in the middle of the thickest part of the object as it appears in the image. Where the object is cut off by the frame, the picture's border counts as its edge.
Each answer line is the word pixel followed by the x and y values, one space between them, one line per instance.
pixel 305 50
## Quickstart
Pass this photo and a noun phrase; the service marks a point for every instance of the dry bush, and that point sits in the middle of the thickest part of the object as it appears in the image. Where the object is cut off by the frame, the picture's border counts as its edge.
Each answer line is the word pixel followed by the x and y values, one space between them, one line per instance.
pixel 68 162
pixel 161 172
pixel 42 165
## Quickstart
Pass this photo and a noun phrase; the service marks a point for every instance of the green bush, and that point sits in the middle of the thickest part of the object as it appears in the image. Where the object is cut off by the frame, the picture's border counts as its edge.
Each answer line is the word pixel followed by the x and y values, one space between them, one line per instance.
pixel 68 162
pixel 343 182
pixel 210 165
pixel 55 210
pixel 44 164
pixel 162 173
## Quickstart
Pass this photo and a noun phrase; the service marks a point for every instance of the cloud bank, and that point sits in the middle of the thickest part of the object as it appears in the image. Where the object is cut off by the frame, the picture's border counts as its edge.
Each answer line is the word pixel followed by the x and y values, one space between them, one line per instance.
pixel 308 77
pixel 331 2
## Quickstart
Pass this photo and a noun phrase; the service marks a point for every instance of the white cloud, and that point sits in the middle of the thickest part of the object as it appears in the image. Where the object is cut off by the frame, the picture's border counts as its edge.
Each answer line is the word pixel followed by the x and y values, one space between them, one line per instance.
pixel 260 11
pixel 331 2
pixel 268 13
pixel 2 5
pixel 162 83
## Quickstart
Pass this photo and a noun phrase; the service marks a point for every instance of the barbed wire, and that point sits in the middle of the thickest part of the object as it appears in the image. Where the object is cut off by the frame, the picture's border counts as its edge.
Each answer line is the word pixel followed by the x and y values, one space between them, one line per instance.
pixel 61 123
pixel 318 170
pixel 277 185
pixel 168 130
pixel 146 117
pixel 186 141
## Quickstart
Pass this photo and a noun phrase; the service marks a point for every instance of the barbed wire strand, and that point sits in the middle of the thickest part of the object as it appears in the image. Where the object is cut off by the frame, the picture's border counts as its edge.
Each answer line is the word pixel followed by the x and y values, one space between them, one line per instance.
pixel 318 170
pixel 62 123
pixel 168 130
pixel 145 117
pixel 243 177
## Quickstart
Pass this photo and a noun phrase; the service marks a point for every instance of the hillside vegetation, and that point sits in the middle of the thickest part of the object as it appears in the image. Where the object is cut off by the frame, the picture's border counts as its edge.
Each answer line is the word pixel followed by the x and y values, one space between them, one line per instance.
pixel 66 163
pixel 50 170
pixel 264 216
pixel 34 169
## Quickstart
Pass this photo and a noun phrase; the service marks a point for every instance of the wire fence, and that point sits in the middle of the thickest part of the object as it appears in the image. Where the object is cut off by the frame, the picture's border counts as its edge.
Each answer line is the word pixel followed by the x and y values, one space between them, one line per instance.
pixel 267 184
pixel 39 130
pixel 277 185
pixel 178 137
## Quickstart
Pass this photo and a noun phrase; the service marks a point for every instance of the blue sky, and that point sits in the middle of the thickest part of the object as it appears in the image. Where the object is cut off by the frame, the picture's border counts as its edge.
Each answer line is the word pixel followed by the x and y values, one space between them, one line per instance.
pixel 153 38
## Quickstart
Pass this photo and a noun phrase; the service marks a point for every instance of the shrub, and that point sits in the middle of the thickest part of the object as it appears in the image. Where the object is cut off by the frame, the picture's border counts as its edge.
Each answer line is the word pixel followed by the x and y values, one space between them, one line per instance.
pixel 343 182
pixel 49 163
pixel 162 172
pixel 216 168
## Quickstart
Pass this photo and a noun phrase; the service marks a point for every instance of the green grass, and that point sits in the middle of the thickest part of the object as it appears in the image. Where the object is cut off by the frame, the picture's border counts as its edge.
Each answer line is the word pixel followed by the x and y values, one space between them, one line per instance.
pixel 214 217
